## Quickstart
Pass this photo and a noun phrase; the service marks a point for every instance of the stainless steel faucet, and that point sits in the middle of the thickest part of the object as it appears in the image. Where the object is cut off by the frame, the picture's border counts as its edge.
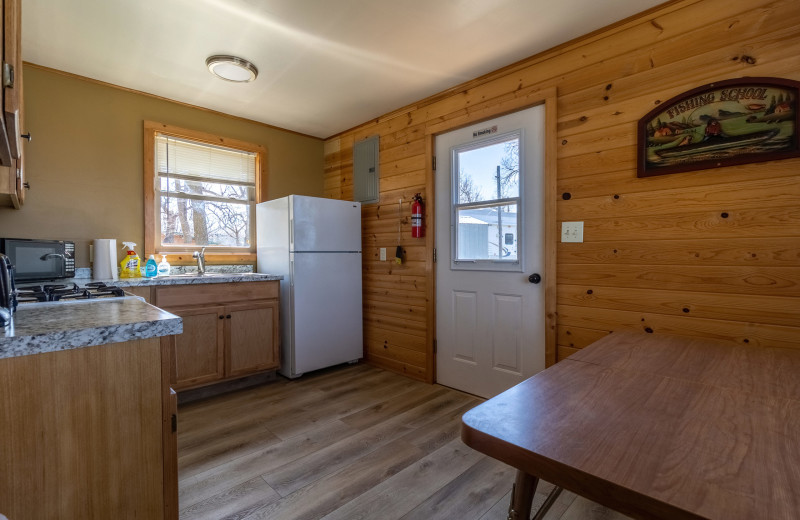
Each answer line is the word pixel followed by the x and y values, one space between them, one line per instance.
pixel 201 260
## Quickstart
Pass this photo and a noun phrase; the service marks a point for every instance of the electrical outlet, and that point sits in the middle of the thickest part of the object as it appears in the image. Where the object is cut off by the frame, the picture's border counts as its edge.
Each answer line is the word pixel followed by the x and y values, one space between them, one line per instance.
pixel 572 231
pixel 383 254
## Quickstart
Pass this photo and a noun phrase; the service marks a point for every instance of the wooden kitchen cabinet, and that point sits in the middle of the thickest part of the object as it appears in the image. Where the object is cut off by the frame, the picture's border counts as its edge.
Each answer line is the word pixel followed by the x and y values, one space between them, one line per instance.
pixel 199 351
pixel 12 172
pixel 89 433
pixel 230 330
pixel 248 324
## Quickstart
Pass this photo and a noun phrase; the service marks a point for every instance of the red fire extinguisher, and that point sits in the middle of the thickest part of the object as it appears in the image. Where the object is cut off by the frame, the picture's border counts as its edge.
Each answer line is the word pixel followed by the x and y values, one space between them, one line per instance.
pixel 417 210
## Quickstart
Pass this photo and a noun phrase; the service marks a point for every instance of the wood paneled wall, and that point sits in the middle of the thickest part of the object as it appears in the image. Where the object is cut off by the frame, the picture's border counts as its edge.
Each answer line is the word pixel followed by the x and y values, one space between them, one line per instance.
pixel 709 253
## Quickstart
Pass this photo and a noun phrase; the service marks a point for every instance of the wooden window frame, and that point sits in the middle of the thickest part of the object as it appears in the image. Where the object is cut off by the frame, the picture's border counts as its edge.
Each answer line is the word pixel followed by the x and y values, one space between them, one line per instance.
pixel 184 257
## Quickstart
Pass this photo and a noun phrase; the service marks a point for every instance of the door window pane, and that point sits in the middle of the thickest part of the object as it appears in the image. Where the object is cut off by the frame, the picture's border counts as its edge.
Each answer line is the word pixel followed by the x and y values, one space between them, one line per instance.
pixel 488 173
pixel 486 195
pixel 487 233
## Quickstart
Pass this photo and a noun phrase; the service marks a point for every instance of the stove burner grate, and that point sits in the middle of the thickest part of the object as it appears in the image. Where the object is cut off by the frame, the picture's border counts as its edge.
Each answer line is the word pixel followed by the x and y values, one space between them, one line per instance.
pixel 65 292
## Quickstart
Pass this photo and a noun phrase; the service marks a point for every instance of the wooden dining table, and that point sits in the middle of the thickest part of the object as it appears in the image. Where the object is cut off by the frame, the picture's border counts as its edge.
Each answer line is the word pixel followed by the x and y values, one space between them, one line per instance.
pixel 655 427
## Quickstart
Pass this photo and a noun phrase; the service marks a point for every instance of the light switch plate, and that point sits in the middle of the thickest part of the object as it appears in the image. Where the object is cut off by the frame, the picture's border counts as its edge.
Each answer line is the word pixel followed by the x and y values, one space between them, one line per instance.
pixel 572 231
pixel 383 254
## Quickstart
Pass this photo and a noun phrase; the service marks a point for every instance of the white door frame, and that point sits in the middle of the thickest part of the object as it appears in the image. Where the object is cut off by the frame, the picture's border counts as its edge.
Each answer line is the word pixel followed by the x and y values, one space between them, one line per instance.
pixel 547 97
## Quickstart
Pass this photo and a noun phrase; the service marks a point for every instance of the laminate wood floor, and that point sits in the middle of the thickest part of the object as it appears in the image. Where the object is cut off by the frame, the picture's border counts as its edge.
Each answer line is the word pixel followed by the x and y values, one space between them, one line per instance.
pixel 354 442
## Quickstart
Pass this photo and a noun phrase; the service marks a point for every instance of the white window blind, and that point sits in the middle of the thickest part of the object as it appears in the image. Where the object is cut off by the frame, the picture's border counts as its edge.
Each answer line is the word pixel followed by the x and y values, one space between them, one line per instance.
pixel 194 160
pixel 205 194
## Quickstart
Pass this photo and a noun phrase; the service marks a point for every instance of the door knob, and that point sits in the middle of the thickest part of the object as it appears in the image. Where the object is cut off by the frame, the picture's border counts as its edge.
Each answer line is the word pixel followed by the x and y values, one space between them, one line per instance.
pixel 535 278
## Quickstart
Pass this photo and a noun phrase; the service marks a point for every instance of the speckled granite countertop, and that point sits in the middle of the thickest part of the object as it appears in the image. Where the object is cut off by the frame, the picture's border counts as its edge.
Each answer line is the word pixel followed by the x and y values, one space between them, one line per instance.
pixel 48 327
pixel 186 279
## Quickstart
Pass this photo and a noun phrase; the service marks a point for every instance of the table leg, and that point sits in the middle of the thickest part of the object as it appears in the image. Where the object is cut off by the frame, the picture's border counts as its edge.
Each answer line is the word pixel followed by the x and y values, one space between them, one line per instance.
pixel 548 503
pixel 522 496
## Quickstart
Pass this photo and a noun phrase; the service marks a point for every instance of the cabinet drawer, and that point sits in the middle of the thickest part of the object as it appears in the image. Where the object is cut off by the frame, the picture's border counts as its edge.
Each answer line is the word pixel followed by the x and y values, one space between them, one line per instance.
pixel 214 293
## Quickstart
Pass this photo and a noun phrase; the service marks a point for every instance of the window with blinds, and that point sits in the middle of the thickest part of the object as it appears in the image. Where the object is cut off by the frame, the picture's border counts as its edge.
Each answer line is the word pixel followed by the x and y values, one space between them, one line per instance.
pixel 206 194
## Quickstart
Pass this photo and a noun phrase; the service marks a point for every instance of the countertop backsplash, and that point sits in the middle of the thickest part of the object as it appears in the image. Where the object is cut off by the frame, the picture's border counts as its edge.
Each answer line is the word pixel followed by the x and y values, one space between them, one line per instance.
pixel 86 272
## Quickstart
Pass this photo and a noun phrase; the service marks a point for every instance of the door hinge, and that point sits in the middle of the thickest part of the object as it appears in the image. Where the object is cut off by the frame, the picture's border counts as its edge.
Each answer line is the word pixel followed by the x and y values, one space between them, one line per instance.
pixel 433 161
pixel 434 255
pixel 174 420
pixel 435 346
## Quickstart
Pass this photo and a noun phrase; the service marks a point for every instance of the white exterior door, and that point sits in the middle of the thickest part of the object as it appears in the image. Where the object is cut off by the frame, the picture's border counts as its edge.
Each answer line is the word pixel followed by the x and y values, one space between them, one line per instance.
pixel 490 317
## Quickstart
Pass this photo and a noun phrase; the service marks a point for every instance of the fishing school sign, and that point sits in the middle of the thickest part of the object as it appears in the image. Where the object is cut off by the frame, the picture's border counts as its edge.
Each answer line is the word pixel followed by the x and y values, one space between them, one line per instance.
pixel 720 124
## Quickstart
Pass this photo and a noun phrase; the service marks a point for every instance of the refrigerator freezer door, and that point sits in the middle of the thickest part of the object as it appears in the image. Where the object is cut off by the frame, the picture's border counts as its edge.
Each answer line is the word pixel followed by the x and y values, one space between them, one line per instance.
pixel 327 320
pixel 325 224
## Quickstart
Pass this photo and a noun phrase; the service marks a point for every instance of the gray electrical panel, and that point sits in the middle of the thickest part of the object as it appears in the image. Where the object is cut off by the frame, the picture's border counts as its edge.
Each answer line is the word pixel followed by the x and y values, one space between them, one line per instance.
pixel 365 170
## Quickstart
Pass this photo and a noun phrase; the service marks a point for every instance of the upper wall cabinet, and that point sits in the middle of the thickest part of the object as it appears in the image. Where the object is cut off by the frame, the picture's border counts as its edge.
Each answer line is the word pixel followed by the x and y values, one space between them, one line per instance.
pixel 12 182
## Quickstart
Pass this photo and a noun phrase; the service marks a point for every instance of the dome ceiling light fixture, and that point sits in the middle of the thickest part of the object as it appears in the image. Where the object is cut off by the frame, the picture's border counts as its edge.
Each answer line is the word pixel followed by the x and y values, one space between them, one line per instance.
pixel 231 68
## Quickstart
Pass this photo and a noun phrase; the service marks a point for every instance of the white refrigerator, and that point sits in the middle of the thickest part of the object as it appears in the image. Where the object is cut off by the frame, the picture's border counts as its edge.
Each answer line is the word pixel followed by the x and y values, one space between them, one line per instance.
pixel 316 245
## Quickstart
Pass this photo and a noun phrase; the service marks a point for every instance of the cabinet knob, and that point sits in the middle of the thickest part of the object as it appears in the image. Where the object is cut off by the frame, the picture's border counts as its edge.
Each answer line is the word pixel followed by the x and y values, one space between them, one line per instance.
pixel 228 316
pixel 27 136
pixel 26 185
pixel 222 317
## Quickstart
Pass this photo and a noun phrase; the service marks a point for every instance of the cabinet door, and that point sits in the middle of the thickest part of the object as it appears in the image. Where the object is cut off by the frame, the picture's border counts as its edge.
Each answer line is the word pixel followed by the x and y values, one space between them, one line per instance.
pixel 199 350
pixel 253 337
pixel 141 292
pixel 12 77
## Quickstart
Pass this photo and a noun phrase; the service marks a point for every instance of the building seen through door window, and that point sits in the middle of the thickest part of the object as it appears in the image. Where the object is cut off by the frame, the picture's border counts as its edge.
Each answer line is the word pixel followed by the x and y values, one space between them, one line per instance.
pixel 487 204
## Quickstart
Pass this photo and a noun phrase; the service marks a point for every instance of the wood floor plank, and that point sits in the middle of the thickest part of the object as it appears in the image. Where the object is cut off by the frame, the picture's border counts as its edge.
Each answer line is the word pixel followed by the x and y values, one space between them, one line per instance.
pixel 499 511
pixel 329 459
pixel 393 498
pixel 198 413
pixel 192 437
pixel 234 502
pixel 238 471
pixel 287 400
pixel 584 509
pixel 331 492
pixel 358 442
pixel 432 436
pixel 400 403
pixel 469 495
pixel 221 448
pixel 338 405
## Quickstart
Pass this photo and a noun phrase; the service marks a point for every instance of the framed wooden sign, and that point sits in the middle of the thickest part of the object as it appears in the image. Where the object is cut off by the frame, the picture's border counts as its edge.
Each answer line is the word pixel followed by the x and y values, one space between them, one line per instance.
pixel 728 122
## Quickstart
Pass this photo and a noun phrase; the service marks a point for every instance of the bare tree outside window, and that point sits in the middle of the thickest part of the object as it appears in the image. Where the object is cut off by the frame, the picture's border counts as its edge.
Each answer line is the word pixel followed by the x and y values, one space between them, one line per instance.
pixel 206 222
pixel 467 190
pixel 509 169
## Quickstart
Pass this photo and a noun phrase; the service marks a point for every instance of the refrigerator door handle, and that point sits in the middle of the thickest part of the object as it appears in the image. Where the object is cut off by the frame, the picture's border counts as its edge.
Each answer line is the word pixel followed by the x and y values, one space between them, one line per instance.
pixel 291 269
pixel 291 234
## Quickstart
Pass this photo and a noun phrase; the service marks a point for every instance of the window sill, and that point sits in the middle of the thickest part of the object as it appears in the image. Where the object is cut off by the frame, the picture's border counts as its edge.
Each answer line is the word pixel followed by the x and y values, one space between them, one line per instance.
pixel 185 258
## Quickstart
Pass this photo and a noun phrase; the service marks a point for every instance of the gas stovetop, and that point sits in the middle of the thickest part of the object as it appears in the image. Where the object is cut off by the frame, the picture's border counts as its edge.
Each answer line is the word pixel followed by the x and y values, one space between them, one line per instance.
pixel 67 292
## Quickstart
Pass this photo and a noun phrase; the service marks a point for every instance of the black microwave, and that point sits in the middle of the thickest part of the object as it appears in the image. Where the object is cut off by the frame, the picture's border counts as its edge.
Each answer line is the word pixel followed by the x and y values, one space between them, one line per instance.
pixel 39 260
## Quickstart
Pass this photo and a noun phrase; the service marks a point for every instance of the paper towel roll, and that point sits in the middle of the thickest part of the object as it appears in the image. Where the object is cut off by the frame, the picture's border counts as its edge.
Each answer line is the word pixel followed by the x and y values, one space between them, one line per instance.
pixel 104 266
